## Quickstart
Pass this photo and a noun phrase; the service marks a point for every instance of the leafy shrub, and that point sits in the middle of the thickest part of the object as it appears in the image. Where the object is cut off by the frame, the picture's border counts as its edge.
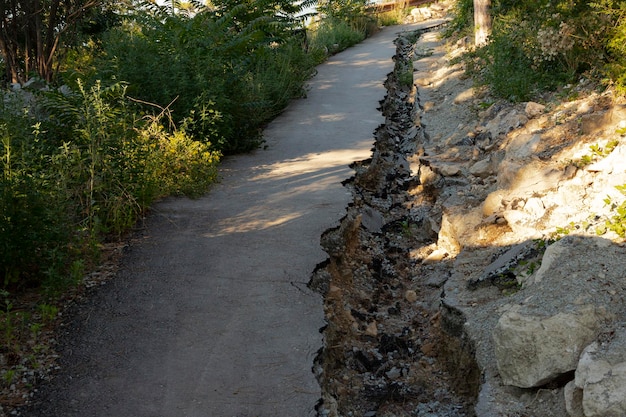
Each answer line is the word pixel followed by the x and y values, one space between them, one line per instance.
pixel 391 18
pixel 31 229
pixel 508 68
pixel 613 14
pixel 34 231
pixel 617 222
pixel 60 197
pixel 539 44
pixel 463 19
pixel 227 72
pixel 179 164
pixel 332 36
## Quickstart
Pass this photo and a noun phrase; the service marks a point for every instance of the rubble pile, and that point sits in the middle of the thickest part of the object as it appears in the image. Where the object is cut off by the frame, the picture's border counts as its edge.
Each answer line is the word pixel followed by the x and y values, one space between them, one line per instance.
pixel 381 355
pixel 478 270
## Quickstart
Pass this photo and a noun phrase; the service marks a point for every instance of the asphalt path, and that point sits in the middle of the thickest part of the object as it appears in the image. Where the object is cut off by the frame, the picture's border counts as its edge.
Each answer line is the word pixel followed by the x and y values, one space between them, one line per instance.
pixel 210 315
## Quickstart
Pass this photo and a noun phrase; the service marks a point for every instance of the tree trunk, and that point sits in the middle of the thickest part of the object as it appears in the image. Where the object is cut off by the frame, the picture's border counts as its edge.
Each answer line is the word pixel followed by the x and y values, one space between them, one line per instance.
pixel 30 34
pixel 482 21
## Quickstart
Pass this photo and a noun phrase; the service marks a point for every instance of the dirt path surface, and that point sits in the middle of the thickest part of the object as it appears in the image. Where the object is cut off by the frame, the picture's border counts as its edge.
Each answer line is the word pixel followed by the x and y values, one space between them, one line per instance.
pixel 210 314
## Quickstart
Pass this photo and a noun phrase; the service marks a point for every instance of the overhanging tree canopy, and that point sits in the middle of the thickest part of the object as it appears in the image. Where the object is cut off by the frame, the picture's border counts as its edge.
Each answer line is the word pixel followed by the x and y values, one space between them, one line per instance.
pixel 32 31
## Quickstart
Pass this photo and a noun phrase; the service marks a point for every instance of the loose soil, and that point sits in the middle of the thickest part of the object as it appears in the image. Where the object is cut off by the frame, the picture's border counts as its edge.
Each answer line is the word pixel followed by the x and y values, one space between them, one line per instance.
pixel 391 346
pixel 394 344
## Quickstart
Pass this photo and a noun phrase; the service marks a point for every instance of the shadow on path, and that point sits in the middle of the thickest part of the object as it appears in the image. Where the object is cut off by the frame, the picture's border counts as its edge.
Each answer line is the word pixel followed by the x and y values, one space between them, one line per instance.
pixel 210 314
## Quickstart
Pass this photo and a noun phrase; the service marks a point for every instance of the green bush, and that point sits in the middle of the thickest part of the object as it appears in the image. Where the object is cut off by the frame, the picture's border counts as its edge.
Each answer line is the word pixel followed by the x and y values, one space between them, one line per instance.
pixel 331 36
pixel 179 164
pixel 223 74
pixel 541 44
pixel 61 197
pixel 32 233
pixel 509 67
pixel 463 19
pixel 613 15
pixel 34 229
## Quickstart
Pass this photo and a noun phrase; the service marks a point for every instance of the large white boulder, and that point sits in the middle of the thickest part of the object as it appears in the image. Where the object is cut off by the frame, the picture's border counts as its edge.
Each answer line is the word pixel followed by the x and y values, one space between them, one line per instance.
pixel 534 350
pixel 601 375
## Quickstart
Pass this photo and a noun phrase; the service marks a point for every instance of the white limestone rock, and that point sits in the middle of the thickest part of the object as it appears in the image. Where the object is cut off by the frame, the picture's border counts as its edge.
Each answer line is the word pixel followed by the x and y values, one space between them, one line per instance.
pixel 573 400
pixel 533 350
pixel 534 109
pixel 482 168
pixel 506 121
pixel 601 375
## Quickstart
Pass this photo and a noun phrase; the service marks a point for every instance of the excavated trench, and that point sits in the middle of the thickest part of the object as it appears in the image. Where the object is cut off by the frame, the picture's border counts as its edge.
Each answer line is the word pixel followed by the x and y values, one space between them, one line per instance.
pixel 390 347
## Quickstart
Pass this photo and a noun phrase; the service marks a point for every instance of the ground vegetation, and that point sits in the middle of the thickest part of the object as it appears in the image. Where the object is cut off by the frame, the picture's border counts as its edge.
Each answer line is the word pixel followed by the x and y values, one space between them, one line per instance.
pixel 122 104
pixel 540 45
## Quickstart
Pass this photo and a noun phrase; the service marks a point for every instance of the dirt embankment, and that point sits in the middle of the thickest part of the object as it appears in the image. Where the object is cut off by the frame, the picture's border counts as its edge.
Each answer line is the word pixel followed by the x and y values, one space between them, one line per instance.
pixel 449 265
pixel 382 352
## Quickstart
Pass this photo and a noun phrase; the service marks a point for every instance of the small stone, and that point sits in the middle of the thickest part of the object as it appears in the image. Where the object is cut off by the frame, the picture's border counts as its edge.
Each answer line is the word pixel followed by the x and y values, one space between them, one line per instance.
pixel 570 172
pixel 333 289
pixel 429 349
pixel 410 296
pixel 534 109
pixel 372 219
pixel 573 400
pixel 393 373
pixel 449 170
pixel 584 108
pixel 372 329
pixel 437 280
pixel 436 256
pixel 482 168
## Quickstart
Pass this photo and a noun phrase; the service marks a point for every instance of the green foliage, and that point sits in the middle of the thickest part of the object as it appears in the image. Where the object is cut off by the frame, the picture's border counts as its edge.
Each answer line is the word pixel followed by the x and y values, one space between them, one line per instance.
pixel 227 71
pixel 617 222
pixel 613 14
pixel 78 167
pixel 36 33
pixel 463 19
pixel 596 152
pixel 32 216
pixel 563 231
pixel 510 63
pixel 541 44
pixel 391 18
pixel 179 164
pixel 344 23
pixel 346 10
pixel 332 36
pixel 405 78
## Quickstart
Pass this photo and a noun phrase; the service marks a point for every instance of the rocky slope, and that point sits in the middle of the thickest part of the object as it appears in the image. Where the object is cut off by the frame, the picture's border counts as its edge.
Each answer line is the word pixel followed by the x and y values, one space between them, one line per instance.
pixel 475 272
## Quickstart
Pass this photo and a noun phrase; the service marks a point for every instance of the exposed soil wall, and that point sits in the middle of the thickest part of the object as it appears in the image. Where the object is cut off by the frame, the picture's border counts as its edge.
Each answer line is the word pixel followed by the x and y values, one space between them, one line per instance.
pixel 454 285
pixel 383 352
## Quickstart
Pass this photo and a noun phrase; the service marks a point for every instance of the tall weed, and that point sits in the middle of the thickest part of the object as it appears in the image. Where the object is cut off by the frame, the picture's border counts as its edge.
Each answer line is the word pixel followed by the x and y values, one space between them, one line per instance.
pixel 540 44
pixel 226 73
pixel 34 231
pixel 59 201
pixel 333 35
